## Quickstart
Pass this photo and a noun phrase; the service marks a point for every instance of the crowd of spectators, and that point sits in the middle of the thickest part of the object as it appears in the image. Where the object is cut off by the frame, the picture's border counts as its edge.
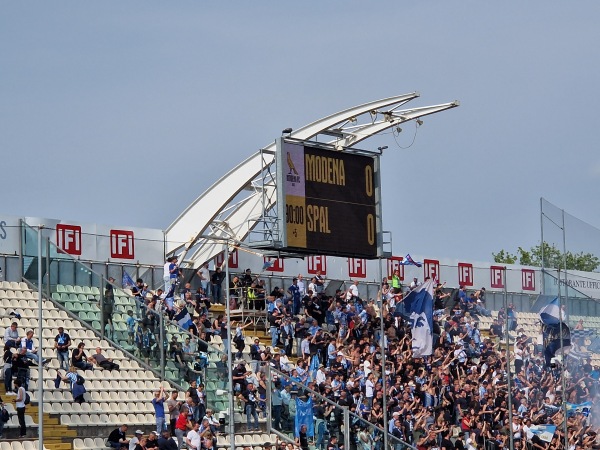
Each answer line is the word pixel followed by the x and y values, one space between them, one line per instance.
pixel 327 347
pixel 456 398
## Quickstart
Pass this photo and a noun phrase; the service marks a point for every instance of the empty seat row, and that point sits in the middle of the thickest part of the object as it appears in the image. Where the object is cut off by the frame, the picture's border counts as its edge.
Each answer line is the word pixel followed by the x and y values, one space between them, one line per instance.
pixel 98 408
pixel 17 445
pixel 89 444
pixel 70 289
pixel 85 420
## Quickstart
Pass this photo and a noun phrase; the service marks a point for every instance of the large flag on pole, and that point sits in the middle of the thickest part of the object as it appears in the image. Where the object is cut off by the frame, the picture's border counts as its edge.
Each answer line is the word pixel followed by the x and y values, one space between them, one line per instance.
pixel 304 416
pixel 418 305
pixel 552 320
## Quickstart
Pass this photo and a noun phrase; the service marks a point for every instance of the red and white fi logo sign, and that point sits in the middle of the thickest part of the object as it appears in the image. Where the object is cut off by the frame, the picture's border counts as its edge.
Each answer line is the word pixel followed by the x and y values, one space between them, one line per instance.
pixel 68 238
pixel 497 277
pixel 431 269
pixel 465 274
pixel 528 279
pixel 121 244
pixel 357 268
pixel 277 265
pixel 395 263
pixel 317 264
pixel 233 259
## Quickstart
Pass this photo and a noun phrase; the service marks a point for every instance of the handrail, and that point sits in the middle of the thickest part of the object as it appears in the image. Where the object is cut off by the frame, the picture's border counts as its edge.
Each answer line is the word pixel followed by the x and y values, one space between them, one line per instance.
pixel 97 333
pixel 336 405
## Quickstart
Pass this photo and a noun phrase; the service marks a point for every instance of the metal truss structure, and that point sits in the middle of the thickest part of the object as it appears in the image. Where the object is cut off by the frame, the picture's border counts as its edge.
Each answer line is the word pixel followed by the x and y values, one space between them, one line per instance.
pixel 242 201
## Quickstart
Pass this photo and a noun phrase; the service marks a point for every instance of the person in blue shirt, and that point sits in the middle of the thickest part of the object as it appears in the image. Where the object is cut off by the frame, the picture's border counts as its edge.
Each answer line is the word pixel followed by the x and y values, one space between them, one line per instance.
pixel 294 291
pixel 159 409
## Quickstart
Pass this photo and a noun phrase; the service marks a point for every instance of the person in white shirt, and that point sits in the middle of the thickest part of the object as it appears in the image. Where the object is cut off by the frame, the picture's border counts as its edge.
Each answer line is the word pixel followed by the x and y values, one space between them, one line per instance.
pixel 193 438
pixel 301 285
pixel 204 275
pixel 414 283
pixel 369 389
pixel 136 439
pixel 352 293
pixel 167 274
pixel 31 351
pixel 320 377
pixel 312 286
pixel 20 407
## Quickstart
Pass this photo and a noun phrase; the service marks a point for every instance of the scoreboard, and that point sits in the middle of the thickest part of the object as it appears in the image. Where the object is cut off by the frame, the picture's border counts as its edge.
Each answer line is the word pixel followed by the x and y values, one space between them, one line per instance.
pixel 328 200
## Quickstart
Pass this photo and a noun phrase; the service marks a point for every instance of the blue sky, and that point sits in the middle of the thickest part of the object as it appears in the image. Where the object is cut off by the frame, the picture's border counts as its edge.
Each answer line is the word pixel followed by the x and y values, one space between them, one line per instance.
pixel 124 112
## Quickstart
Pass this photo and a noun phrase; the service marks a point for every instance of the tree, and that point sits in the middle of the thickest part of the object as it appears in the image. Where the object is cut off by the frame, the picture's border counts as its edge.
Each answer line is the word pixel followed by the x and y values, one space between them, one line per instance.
pixel 504 257
pixel 553 258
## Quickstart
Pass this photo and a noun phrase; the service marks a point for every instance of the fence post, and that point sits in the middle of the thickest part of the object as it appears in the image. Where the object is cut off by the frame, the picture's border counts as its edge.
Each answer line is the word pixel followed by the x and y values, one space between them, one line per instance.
pixel 268 399
pixel 347 427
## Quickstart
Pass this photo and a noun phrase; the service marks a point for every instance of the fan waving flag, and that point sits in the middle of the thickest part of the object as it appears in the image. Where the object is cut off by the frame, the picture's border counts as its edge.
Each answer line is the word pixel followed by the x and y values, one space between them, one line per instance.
pixel 551 318
pixel 408 261
pixel 127 280
pixel 304 416
pixel 419 307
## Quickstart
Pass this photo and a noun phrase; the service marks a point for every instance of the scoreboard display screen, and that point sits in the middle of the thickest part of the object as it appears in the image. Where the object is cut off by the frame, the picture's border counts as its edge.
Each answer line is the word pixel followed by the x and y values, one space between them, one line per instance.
pixel 329 200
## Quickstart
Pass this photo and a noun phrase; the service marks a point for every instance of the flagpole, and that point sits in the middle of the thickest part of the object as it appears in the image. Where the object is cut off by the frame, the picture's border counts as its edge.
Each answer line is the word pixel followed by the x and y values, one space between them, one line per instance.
pixel 40 344
pixel 508 375
pixel 542 245
pixel 562 364
pixel 384 375
pixel 229 355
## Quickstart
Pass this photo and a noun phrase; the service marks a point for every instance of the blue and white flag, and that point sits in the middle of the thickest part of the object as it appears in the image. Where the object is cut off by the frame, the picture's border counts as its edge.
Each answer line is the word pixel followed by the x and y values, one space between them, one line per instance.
pixel 267 265
pixel 408 261
pixel 127 280
pixel 419 308
pixel 544 432
pixel 576 408
pixel 304 416
pixel 551 316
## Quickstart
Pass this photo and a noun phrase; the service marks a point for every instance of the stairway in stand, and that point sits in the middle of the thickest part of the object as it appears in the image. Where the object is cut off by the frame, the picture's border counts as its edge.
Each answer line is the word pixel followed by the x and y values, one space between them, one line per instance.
pixel 56 436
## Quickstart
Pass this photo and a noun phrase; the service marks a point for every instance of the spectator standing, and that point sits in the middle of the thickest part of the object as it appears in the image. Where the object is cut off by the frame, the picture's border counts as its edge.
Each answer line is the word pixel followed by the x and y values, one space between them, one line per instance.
pixel 159 409
pixel 62 342
pixel 167 273
pixel 294 291
pixel 193 439
pixel 319 282
pixel 216 280
pixel 108 305
pixel 181 426
pixel 173 406
pixel 20 407
pixel 250 397
pixel 204 275
pixel 20 367
pixel 8 372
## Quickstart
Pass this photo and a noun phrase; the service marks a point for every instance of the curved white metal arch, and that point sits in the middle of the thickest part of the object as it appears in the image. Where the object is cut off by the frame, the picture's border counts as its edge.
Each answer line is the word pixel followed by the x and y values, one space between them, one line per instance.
pixel 225 211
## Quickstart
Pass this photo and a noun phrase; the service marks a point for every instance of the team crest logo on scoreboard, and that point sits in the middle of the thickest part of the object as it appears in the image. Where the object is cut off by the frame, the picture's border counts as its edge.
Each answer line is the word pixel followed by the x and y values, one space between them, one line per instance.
pixel 292 175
